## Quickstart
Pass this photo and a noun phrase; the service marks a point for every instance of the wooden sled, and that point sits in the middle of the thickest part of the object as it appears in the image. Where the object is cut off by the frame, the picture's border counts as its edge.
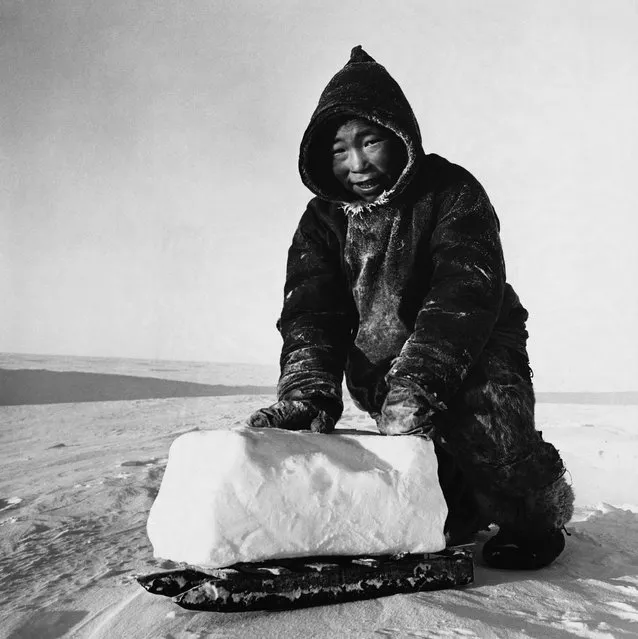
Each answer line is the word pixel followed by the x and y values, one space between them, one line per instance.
pixel 298 583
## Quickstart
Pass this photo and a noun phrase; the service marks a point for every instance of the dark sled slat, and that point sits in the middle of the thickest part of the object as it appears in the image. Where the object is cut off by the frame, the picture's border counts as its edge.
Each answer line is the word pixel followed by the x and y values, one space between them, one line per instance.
pixel 173 583
pixel 300 583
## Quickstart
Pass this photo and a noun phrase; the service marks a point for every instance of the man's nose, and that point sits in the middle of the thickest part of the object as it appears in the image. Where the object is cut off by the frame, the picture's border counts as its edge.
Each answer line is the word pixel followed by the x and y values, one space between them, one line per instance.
pixel 357 160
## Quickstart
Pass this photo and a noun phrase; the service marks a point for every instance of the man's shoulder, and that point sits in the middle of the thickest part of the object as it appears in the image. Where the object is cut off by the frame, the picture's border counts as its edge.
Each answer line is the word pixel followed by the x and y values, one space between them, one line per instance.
pixel 323 217
pixel 319 206
pixel 447 176
pixel 324 212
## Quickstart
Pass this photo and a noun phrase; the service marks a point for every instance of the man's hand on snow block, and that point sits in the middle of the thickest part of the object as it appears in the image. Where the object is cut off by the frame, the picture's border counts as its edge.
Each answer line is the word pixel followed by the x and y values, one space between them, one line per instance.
pixel 405 411
pixel 294 414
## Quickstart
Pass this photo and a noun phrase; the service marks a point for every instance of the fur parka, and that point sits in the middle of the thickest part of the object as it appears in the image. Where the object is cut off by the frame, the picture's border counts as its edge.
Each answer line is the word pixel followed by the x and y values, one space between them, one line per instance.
pixel 411 287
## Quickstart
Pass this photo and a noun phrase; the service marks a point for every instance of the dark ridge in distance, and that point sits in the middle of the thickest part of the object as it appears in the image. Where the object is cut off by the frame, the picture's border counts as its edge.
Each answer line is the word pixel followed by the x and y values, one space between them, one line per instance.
pixel 23 387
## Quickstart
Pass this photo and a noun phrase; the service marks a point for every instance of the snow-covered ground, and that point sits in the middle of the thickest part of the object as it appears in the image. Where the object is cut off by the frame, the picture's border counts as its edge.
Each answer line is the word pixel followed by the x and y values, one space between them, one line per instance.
pixel 77 480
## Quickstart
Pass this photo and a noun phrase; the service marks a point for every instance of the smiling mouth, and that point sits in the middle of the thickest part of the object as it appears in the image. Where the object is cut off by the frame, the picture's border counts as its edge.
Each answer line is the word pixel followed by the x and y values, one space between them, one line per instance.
pixel 367 185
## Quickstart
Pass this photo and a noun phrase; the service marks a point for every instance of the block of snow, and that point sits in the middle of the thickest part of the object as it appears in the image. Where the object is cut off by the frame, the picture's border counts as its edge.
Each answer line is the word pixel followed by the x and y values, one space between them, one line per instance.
pixel 253 494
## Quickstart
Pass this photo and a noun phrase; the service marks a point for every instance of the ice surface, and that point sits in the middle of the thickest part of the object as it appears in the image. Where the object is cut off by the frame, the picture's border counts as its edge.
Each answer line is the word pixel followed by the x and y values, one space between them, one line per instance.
pixel 254 494
pixel 81 516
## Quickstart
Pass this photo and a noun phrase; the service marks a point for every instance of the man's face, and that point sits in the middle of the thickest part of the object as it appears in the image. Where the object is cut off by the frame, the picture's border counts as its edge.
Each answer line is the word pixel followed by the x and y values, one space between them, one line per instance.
pixel 367 159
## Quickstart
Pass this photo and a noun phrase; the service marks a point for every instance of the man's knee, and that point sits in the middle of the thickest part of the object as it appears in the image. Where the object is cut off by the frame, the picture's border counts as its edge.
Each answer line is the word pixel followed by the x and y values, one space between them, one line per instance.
pixel 492 415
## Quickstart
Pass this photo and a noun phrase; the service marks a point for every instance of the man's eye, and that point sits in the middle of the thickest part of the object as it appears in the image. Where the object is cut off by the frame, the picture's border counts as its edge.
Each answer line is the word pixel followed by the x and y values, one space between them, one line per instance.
pixel 372 141
pixel 337 151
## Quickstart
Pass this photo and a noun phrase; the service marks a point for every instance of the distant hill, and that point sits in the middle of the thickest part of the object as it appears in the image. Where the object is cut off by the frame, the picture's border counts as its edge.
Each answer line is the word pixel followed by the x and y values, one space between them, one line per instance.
pixel 20 387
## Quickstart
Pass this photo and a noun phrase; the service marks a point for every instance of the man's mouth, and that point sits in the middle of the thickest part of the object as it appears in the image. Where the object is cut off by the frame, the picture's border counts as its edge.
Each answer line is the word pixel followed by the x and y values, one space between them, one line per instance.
pixel 367 185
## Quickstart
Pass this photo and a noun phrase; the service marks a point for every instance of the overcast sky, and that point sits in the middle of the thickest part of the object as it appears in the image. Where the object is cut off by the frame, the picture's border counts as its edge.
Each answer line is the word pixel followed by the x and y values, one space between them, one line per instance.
pixel 148 165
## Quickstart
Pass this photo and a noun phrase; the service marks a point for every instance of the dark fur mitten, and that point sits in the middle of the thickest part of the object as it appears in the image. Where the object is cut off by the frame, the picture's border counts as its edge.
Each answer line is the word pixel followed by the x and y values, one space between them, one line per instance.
pixel 294 415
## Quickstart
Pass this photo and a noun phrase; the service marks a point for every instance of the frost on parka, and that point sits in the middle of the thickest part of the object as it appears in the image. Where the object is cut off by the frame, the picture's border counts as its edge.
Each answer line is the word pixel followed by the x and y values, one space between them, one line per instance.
pixel 410 287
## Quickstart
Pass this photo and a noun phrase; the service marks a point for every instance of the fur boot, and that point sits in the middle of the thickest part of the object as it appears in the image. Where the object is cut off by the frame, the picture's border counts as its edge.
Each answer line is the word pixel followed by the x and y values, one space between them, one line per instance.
pixel 534 513
pixel 530 528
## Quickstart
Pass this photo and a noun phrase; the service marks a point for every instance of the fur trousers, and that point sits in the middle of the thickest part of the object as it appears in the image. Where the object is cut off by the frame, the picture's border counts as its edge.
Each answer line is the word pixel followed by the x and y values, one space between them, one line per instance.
pixel 494 466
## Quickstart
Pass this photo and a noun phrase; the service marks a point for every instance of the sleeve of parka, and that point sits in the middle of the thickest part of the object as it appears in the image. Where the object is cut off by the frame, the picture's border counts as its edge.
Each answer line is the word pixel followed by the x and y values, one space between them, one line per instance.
pixel 463 303
pixel 316 322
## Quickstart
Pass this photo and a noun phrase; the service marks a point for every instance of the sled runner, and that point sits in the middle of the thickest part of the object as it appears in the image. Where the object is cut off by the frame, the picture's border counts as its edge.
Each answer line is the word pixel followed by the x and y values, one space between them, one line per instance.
pixel 299 583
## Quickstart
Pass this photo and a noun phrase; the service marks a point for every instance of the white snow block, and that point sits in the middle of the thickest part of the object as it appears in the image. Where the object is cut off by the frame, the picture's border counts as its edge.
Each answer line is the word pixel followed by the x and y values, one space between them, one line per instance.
pixel 252 494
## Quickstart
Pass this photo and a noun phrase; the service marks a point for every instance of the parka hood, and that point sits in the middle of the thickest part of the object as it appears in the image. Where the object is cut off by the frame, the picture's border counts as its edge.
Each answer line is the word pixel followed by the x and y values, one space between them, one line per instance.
pixel 361 89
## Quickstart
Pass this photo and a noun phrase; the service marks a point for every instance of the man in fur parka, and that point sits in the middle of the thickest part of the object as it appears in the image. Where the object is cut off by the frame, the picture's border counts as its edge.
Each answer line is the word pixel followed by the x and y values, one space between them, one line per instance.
pixel 396 278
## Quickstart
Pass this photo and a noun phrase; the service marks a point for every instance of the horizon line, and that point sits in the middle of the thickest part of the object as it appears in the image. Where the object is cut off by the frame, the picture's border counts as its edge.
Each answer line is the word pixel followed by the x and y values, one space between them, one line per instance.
pixel 537 391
